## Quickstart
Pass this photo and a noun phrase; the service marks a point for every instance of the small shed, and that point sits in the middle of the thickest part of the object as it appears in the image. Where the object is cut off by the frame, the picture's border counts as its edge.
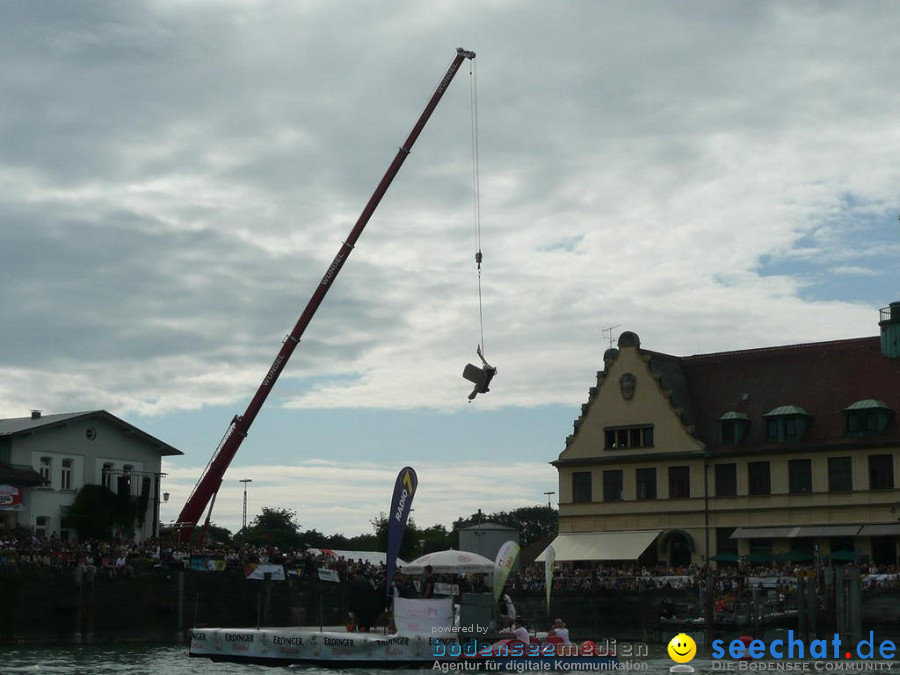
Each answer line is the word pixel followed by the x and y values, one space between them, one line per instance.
pixel 486 539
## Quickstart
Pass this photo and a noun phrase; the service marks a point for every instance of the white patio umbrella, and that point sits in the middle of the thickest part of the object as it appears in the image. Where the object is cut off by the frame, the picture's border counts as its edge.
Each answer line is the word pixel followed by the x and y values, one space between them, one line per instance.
pixel 451 562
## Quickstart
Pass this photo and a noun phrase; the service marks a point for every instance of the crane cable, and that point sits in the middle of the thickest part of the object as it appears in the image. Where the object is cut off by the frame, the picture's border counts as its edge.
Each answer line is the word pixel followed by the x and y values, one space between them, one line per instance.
pixel 473 94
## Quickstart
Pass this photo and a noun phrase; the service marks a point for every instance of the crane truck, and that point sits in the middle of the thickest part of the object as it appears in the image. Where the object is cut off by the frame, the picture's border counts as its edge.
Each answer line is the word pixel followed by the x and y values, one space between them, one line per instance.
pixel 204 493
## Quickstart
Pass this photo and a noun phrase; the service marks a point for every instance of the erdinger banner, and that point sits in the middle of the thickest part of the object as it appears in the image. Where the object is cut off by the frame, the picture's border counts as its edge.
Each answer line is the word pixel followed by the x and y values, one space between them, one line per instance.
pixel 401 505
pixel 11 498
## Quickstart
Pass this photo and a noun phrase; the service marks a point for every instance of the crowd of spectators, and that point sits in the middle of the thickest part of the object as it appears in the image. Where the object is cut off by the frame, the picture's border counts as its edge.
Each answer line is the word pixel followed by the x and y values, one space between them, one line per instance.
pixel 121 558
pixel 726 578
pixel 20 550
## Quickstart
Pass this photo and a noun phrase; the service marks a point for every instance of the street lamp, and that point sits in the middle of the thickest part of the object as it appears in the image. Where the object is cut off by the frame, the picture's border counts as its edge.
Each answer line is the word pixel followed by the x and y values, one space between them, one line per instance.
pixel 245 481
pixel 158 478
pixel 549 494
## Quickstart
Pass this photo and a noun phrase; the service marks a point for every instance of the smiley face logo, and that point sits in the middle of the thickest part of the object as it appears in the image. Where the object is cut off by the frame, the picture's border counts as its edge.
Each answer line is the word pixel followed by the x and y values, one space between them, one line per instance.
pixel 682 648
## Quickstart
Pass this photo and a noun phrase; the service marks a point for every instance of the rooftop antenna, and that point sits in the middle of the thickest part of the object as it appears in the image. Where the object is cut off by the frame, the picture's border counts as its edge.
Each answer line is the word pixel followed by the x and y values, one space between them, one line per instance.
pixel 608 332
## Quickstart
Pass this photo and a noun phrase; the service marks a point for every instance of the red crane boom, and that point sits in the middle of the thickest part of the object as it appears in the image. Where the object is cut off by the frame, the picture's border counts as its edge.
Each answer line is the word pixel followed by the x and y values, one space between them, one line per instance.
pixel 205 491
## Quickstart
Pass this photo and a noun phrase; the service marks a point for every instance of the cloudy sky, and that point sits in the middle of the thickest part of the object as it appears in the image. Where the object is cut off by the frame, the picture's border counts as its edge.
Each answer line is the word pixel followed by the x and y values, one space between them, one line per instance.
pixel 176 177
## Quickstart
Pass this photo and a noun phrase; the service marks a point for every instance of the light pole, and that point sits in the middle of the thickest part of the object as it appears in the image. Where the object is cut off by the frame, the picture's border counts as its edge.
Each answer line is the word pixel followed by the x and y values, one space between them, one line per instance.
pixel 245 481
pixel 158 476
pixel 549 494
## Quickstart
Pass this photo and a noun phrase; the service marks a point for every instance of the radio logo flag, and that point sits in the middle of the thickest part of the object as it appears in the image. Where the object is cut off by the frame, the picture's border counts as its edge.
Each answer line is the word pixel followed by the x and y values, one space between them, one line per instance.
pixel 401 505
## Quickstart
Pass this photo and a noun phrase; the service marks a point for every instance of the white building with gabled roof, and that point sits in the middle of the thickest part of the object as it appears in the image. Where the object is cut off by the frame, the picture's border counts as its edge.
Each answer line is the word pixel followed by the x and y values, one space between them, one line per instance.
pixel 46 459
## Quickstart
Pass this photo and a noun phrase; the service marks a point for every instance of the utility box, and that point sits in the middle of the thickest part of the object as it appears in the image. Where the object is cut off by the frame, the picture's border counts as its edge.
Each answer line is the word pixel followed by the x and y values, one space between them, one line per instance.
pixel 485 539
pixel 476 613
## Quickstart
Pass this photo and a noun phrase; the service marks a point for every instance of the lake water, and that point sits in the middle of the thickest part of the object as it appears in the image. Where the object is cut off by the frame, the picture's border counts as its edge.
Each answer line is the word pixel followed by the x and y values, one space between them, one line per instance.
pixel 173 660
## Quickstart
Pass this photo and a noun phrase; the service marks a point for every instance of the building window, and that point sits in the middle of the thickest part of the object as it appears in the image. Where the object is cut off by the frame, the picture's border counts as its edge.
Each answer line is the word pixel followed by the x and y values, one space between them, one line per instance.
pixel 726 480
pixel 758 478
pixel 124 481
pixel 41 526
pixel 724 542
pixel 581 487
pixel 106 476
pixel 646 483
pixel 613 481
pixel 786 423
pixel 65 475
pixel 760 551
pixel 46 466
pixel 733 428
pixel 679 482
pixel 840 474
pixel 881 472
pixel 865 418
pixel 799 476
pixel 841 544
pixel 629 437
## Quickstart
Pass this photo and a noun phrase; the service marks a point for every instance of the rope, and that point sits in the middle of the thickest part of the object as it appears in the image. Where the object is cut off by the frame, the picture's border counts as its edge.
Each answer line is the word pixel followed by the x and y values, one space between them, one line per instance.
pixel 473 94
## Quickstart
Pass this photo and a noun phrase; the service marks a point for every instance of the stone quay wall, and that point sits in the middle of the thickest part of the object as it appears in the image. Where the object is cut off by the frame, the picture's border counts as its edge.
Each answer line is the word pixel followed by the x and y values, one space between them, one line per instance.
pixel 37 605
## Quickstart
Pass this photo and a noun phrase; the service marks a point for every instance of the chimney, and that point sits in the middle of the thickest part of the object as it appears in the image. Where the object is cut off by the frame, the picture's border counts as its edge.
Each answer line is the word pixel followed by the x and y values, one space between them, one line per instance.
pixel 890 330
pixel 35 414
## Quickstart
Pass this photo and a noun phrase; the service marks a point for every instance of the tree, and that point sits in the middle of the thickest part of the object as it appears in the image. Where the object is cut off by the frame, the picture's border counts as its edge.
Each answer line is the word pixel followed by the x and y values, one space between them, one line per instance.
pixel 409 547
pixel 273 527
pixel 96 513
pixel 434 538
pixel 532 522
pixel 217 535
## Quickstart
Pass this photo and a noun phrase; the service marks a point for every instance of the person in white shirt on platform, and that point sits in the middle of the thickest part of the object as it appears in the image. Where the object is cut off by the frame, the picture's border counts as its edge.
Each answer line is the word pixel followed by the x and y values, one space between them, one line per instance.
pixel 507 611
pixel 558 629
pixel 521 631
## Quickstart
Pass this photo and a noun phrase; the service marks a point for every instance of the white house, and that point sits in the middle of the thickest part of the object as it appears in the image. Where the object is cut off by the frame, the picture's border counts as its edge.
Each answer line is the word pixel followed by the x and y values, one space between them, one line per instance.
pixel 46 459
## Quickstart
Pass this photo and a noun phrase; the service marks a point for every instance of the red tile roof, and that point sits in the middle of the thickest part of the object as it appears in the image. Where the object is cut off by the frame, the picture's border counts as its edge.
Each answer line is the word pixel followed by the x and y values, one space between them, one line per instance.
pixel 824 378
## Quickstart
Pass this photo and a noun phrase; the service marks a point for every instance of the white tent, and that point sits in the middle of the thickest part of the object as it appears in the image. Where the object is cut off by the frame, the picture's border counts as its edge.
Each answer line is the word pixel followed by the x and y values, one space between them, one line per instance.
pixel 451 562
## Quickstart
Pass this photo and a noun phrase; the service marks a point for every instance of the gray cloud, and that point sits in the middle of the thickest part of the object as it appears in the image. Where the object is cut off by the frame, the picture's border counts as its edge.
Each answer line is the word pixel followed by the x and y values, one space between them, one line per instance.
pixel 175 178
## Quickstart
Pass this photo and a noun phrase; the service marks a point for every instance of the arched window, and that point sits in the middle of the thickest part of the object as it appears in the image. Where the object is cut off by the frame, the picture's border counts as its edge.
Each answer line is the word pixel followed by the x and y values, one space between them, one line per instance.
pixel 106 475
pixel 124 487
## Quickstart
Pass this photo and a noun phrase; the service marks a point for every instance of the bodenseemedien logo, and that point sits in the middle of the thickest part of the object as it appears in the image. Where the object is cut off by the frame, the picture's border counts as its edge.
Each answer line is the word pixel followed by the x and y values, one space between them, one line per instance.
pixel 682 649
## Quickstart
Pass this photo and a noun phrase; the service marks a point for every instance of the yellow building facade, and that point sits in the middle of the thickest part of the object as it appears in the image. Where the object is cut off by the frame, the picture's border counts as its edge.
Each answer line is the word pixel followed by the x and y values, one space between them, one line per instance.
pixel 771 454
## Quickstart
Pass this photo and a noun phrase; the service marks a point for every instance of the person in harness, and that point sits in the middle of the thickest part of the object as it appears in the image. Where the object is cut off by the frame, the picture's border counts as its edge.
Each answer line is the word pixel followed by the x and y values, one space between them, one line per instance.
pixel 480 377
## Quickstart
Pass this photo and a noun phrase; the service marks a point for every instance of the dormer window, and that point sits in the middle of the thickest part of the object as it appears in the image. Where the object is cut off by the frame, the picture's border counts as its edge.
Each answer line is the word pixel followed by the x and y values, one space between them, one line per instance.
pixel 733 428
pixel 866 417
pixel 786 423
